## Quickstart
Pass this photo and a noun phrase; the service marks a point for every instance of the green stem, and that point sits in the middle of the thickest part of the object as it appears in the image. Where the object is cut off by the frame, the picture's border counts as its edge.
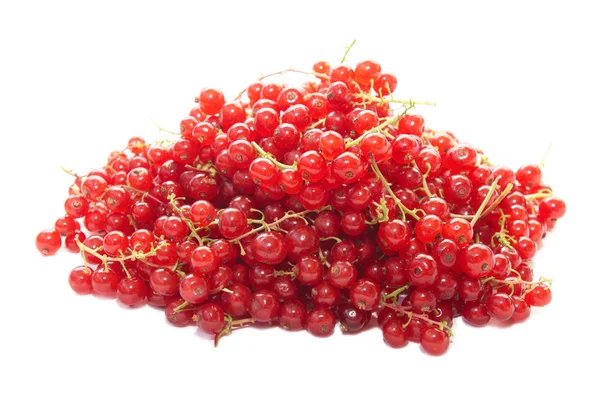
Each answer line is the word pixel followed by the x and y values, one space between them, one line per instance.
pixel 396 292
pixel 442 325
pixel 542 163
pixel 276 222
pixel 187 221
pixel 269 156
pixel 181 307
pixel 485 202
pixel 105 258
pixel 518 281
pixel 544 193
pixel 161 129
pixel 387 186
pixel 347 51
pixel 410 102
pixel 388 121
pixel 425 186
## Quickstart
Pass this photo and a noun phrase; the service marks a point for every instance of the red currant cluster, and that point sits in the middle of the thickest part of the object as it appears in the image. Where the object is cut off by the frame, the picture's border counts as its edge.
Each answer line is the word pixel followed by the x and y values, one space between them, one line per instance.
pixel 308 205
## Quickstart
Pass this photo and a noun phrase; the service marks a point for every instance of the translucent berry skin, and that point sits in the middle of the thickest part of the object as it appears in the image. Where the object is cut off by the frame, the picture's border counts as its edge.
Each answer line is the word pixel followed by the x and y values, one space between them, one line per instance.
pixel 539 295
pixel 80 280
pixel 522 310
pixel 351 318
pixel 459 231
pixel 477 261
pixel 132 291
pixel 232 223
pixel 48 242
pixel 181 318
pixel 194 288
pixel 105 281
pixel 164 282
pixel 309 270
pixel 393 235
pixel 236 301
pixel 320 322
pixel 552 208
pixel 211 318
pixel 412 124
pixel 211 100
pixel 367 72
pixel 264 306
pixel 404 149
pixel 311 166
pixel 394 334
pixel 422 271
pixel 429 228
pixel 500 306
pixel 365 294
pixel 269 247
pixel 434 341
pixel 475 313
pixel 292 315
pixel 342 274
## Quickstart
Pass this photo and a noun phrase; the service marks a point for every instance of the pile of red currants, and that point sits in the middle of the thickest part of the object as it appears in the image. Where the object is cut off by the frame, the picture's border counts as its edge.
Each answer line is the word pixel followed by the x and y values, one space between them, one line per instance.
pixel 307 205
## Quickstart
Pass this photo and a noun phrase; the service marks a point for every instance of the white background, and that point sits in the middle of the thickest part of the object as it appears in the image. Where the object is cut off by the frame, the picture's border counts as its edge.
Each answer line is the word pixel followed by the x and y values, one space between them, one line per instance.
pixel 77 80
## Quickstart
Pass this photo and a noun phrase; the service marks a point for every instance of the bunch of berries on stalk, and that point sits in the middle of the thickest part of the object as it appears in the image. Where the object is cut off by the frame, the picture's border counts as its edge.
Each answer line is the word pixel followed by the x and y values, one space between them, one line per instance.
pixel 304 206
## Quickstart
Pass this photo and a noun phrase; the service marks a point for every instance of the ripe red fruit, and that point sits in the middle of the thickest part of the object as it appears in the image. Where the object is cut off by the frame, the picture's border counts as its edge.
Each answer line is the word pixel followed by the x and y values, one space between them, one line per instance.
pixel 194 288
pixel 132 291
pixel 477 261
pixel 264 306
pixel 48 242
pixel 539 295
pixel 211 318
pixel 211 100
pixel 310 203
pixel 80 280
pixel 394 333
pixel 500 306
pixel 434 341
pixel 365 294
pixel 320 322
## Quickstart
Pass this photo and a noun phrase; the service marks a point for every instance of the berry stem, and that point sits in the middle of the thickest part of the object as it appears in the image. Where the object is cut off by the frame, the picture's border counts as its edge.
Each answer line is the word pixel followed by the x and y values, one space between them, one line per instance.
pixel 135 255
pixel 387 186
pixel 316 74
pixel 541 194
pixel 491 207
pixel 485 202
pixel 365 96
pixel 161 129
pixel 69 171
pixel 269 156
pixel 182 306
pixel 316 123
pixel 347 51
pixel 442 325
pixel 542 163
pixel 396 292
pixel 187 221
pixel 204 168
pixel 276 222
pixel 336 239
pixel 229 323
pixel 518 281
pixel 385 123
pixel 125 268
pixel 144 194
pixel 495 203
pixel 501 235
pixel 425 185
pixel 279 273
